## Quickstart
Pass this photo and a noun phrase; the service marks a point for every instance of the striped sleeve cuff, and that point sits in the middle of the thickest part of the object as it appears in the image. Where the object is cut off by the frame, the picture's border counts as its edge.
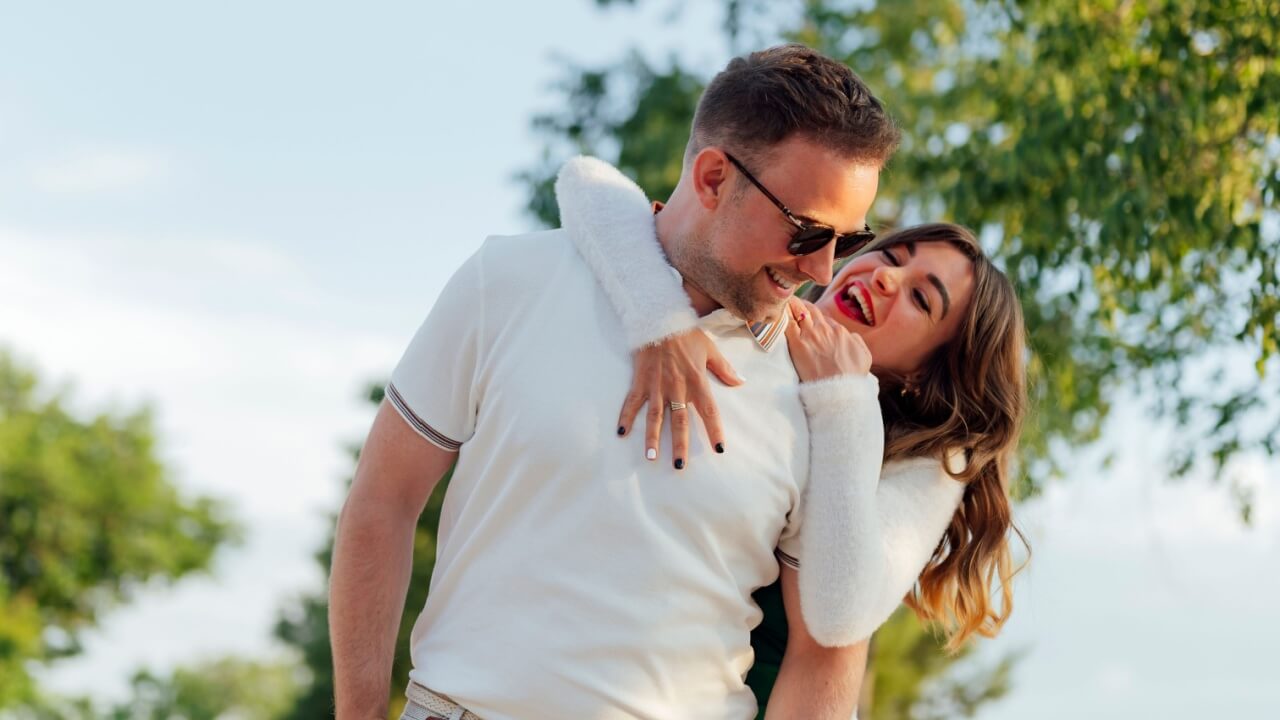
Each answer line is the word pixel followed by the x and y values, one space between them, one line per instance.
pixel 786 559
pixel 436 437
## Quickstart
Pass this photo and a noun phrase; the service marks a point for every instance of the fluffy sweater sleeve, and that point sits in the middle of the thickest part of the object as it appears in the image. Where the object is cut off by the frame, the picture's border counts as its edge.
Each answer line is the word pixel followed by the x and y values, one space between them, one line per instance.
pixel 867 532
pixel 864 537
pixel 610 221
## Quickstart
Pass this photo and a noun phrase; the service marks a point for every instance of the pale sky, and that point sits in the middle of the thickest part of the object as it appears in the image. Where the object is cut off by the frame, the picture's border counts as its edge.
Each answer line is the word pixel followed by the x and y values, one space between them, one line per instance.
pixel 237 213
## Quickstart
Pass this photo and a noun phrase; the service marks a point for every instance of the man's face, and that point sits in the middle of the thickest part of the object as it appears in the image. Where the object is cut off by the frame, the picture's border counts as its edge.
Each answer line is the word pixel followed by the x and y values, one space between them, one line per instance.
pixel 740 258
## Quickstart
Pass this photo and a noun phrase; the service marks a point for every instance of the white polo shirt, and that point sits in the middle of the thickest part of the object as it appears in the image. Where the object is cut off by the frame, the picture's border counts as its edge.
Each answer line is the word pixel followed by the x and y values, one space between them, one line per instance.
pixel 573 578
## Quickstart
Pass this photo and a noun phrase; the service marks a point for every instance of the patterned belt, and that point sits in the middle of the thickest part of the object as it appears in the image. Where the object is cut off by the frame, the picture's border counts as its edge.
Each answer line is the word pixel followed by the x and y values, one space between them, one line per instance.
pixel 427 705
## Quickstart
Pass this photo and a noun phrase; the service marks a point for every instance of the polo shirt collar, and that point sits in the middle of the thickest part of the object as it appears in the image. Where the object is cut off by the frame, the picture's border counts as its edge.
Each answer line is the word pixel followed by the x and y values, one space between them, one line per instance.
pixel 766 334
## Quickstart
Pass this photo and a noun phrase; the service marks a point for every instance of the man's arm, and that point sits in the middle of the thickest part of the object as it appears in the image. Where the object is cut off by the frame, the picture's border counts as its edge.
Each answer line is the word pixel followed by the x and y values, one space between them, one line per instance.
pixel 372 560
pixel 814 682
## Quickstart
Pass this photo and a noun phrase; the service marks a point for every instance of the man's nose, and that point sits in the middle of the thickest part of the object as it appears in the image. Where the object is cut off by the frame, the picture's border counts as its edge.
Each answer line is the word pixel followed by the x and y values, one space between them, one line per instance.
pixel 819 266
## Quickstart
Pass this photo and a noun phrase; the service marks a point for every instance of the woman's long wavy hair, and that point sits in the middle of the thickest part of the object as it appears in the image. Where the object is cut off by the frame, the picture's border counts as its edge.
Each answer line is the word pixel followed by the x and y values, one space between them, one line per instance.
pixel 970 395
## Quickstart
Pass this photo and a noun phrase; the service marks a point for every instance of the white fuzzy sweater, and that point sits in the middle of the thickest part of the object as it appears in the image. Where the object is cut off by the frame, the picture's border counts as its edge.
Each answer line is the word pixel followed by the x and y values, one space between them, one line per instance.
pixel 868 531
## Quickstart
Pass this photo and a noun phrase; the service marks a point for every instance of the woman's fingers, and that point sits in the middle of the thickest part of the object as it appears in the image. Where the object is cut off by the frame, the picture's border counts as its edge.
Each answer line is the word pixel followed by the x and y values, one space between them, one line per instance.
pixel 792 330
pixel 679 433
pixel 819 320
pixel 676 401
pixel 631 405
pixel 710 414
pixel 671 378
pixel 796 307
pixel 653 420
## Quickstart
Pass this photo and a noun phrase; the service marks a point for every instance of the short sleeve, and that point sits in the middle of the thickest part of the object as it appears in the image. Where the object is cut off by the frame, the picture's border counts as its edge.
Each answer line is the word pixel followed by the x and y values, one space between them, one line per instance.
pixel 846 437
pixel 435 386
pixel 789 549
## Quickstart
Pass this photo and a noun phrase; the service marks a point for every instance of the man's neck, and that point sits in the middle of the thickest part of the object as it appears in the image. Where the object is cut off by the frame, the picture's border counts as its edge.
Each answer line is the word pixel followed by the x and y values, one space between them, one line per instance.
pixel 666 226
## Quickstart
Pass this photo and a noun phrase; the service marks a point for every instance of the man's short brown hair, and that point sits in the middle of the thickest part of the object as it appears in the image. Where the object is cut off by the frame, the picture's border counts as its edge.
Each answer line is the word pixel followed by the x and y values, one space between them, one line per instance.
pixel 761 99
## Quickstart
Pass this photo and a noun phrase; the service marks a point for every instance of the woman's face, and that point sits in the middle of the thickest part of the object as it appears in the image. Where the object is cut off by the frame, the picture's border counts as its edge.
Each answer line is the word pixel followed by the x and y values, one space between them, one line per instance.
pixel 905 301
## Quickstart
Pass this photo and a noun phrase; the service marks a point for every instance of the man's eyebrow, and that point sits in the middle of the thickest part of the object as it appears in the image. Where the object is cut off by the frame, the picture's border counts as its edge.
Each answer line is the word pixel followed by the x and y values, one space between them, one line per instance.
pixel 942 290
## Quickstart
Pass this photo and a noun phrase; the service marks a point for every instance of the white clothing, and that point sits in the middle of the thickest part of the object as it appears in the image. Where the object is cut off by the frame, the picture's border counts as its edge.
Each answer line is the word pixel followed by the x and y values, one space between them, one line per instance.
pixel 867 533
pixel 575 579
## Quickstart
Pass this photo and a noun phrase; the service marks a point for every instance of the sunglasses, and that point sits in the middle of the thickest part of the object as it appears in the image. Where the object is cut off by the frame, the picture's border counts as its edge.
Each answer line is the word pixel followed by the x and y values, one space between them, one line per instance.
pixel 811 237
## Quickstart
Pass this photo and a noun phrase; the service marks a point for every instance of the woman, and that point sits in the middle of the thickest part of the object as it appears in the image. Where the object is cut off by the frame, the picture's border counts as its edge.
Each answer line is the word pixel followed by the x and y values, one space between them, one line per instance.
pixel 945 332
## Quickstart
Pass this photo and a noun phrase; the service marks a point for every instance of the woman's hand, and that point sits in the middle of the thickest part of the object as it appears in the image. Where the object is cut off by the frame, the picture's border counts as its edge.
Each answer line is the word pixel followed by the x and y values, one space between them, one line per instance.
pixel 675 371
pixel 821 349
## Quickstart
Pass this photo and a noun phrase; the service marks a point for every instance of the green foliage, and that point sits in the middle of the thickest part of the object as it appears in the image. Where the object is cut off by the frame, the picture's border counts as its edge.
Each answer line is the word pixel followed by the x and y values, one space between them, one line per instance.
pixel 909 677
pixel 1119 159
pixel 229 687
pixel 632 112
pixel 305 626
pixel 223 688
pixel 87 515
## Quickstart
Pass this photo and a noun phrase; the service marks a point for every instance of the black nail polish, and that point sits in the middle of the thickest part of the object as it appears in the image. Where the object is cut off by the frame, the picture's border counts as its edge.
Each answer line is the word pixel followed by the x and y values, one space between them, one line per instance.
pixel 679 463
pixel 622 430
pixel 720 448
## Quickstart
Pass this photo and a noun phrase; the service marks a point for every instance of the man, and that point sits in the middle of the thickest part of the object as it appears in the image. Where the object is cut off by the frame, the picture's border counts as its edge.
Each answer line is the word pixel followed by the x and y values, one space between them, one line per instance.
pixel 574 579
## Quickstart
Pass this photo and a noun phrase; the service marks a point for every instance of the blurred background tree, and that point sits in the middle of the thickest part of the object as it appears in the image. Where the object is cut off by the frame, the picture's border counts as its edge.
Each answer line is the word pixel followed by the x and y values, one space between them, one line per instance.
pixel 215 690
pixel 87 516
pixel 304 625
pixel 1120 160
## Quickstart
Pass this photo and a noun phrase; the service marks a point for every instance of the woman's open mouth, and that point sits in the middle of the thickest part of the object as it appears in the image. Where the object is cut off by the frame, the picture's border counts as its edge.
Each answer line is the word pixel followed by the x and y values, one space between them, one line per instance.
pixel 855 301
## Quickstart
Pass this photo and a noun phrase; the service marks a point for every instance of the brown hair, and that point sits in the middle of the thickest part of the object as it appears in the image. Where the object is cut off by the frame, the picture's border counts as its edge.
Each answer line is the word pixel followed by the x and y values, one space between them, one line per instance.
pixel 970 395
pixel 763 98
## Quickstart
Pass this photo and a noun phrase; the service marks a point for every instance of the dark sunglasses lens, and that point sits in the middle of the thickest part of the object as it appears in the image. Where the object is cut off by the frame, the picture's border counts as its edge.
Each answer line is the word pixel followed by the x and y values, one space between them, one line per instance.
pixel 810 240
pixel 852 243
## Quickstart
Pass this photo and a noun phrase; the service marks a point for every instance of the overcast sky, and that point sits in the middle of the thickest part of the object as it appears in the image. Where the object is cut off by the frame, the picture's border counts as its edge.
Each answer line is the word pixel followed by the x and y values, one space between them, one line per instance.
pixel 237 214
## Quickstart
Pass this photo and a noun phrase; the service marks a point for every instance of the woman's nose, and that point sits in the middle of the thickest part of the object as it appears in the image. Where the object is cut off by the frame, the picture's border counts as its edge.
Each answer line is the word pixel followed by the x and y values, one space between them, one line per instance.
pixel 885 280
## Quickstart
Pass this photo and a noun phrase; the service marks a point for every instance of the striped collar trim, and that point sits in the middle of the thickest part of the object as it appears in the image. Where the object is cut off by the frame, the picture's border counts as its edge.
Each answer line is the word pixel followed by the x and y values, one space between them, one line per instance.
pixel 767 333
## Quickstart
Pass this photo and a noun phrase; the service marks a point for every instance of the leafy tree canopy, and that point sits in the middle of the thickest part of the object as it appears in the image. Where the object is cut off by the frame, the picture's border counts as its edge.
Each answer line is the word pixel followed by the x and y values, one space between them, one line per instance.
pixel 87 515
pixel 1119 158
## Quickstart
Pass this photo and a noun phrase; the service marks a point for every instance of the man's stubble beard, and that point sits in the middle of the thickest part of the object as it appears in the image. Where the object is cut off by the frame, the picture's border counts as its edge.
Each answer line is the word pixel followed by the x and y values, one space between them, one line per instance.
pixel 696 260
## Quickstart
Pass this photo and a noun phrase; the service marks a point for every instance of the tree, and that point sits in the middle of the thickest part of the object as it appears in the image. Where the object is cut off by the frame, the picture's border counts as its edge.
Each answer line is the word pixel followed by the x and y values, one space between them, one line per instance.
pixel 220 689
pixel 215 690
pixel 87 515
pixel 1121 160
pixel 909 679
pixel 305 625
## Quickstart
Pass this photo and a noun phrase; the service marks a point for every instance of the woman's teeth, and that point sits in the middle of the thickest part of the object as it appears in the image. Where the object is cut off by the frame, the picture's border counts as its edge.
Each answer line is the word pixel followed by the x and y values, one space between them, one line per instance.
pixel 778 279
pixel 854 293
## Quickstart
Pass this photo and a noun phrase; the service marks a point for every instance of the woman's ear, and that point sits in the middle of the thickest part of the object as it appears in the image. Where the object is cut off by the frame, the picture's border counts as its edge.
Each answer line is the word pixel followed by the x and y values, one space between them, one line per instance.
pixel 911 385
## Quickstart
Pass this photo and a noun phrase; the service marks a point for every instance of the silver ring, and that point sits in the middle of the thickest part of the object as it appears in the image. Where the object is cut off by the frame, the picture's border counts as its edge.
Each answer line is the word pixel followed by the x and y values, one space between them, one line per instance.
pixel 677 406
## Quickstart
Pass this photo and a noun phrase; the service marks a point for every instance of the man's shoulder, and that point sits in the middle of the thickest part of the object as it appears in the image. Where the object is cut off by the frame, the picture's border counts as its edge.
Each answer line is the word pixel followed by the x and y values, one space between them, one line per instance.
pixel 512 268
pixel 538 247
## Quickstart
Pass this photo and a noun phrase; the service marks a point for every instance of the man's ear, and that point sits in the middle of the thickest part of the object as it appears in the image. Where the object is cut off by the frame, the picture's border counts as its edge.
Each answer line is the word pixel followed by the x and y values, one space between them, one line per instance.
pixel 710 175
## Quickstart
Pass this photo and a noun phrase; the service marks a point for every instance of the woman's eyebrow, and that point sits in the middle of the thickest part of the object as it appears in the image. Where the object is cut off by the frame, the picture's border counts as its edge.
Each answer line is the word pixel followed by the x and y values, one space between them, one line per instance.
pixel 942 290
